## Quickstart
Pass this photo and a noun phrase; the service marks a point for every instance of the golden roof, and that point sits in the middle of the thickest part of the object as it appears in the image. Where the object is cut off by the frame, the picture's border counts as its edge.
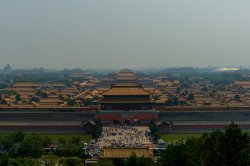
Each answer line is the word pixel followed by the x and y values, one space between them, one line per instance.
pixel 126 101
pixel 25 84
pixel 125 91
pixel 126 78
pixel 125 84
pixel 56 85
pixel 49 100
pixel 126 71
pixel 125 75
pixel 125 152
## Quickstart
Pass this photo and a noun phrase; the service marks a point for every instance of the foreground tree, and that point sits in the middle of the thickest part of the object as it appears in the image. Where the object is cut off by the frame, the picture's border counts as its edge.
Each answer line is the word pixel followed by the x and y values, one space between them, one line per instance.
pixel 237 146
pixel 3 160
pixel 70 161
pixel 31 146
pixel 137 161
pixel 174 155
pixel 229 148
pixel 70 150
pixel 105 162
pixel 23 162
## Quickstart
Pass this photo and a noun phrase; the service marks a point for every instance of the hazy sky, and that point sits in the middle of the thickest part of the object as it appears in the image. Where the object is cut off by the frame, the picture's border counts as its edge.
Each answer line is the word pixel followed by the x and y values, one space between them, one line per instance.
pixel 124 33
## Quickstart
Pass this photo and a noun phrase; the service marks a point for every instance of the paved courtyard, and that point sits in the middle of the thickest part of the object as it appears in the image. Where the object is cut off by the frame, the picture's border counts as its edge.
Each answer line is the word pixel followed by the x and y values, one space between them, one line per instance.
pixel 124 136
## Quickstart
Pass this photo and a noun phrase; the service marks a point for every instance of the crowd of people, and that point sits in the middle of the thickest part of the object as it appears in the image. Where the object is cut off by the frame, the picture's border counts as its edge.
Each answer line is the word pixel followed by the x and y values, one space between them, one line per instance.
pixel 124 136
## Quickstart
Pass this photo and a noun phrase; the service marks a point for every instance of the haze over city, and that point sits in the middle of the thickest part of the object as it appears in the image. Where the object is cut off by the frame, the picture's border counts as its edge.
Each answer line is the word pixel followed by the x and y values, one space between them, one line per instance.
pixel 116 34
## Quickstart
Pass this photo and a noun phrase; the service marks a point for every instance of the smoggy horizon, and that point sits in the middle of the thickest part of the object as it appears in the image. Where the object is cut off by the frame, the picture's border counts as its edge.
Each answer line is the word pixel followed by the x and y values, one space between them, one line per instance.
pixel 124 34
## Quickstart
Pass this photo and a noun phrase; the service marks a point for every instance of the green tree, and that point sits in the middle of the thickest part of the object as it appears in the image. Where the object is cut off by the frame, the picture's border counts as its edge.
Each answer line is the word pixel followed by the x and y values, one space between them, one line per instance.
pixel 105 162
pixel 2 101
pixel 157 97
pixel 68 83
pixel 44 95
pixel 3 86
pixel 70 151
pixel 70 102
pixel 172 101
pixel 97 130
pixel 23 162
pixel 46 141
pixel 174 155
pixel 237 97
pixel 229 148
pixel 145 161
pixel 48 162
pixel 133 160
pixel 204 89
pixel 17 137
pixel 12 142
pixel 3 159
pixel 178 89
pixel 34 99
pixel 237 146
pixel 18 97
pixel 87 102
pixel 155 133
pixel 70 161
pixel 61 97
pixel 75 140
pixel 190 96
pixel 212 145
pixel 31 146
pixel 193 150
pixel 61 142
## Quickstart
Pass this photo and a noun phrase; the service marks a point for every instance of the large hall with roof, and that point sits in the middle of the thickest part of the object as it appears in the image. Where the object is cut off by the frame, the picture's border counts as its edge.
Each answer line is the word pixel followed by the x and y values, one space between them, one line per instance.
pixel 126 102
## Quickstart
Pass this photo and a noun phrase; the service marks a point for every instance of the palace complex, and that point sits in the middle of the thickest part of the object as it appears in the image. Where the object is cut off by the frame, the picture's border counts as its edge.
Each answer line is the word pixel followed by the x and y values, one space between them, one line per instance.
pixel 126 102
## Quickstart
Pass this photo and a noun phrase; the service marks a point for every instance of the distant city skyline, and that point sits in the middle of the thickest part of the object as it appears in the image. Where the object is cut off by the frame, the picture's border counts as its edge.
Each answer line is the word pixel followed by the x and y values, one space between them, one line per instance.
pixel 124 34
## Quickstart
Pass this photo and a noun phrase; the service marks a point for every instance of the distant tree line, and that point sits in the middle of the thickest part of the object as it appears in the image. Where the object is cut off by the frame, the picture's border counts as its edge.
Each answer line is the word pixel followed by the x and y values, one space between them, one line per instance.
pixel 26 149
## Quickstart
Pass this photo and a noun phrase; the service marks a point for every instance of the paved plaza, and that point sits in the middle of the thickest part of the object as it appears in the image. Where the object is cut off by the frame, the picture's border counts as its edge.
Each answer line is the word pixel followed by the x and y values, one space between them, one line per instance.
pixel 124 136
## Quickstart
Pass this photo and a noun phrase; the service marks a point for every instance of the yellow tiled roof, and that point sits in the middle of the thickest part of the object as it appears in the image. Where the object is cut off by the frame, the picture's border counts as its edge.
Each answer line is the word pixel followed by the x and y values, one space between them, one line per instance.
pixel 126 101
pixel 125 91
pixel 125 75
pixel 125 152
pixel 125 85
pixel 25 84
pixel 126 78
pixel 50 100
pixel 56 85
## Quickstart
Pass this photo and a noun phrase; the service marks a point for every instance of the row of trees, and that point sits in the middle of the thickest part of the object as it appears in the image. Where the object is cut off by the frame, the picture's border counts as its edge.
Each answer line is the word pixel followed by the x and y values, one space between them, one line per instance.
pixel 22 145
pixel 28 148
pixel 133 160
pixel 228 148
pixel 63 161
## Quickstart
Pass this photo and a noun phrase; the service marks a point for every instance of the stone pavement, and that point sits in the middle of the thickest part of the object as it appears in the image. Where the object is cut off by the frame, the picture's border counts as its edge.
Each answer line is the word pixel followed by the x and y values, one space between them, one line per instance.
pixel 124 136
